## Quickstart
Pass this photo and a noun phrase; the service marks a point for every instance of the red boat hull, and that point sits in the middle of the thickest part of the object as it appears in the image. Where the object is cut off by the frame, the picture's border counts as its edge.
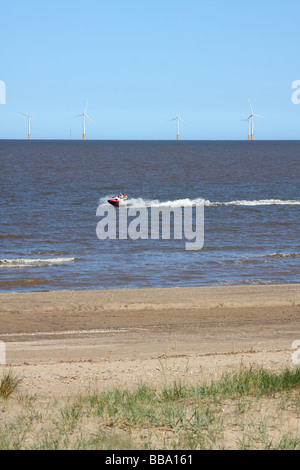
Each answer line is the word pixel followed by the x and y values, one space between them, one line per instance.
pixel 114 202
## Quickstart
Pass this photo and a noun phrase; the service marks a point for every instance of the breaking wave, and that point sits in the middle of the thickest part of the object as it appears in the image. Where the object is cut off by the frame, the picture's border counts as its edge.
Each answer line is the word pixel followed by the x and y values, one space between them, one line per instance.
pixel 27 262
pixel 283 255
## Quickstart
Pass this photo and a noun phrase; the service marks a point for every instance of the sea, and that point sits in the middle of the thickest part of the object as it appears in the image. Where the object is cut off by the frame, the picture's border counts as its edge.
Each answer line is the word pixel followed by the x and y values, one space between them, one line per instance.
pixel 51 191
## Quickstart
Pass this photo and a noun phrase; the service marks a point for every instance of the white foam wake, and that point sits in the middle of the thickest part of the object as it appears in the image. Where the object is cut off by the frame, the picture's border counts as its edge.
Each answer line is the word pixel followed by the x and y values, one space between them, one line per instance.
pixel 260 202
pixel 23 262
pixel 185 202
pixel 177 202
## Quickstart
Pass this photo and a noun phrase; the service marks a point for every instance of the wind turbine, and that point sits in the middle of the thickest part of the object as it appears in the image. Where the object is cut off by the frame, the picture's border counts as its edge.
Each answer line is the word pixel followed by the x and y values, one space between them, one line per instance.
pixel 178 118
pixel 250 121
pixel 84 116
pixel 29 122
pixel 248 126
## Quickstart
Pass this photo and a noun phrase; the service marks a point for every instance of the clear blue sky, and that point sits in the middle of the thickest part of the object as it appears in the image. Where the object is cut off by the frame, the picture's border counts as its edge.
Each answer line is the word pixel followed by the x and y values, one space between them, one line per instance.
pixel 137 61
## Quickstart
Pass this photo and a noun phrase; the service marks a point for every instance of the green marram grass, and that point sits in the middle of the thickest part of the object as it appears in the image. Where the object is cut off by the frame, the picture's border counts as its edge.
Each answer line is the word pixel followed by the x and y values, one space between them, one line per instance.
pixel 245 409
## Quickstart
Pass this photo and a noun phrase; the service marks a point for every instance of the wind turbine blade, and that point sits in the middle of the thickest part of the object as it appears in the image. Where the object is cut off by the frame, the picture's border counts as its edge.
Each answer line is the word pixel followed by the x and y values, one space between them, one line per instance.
pixel 34 112
pixel 183 121
pixel 85 106
pixel 250 107
pixel 256 115
pixel 90 119
pixel 24 114
pixel 174 119
pixel 77 115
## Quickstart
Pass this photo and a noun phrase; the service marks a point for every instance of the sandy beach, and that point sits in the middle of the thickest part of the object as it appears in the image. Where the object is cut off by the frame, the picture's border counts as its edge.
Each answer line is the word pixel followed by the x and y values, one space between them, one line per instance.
pixel 61 342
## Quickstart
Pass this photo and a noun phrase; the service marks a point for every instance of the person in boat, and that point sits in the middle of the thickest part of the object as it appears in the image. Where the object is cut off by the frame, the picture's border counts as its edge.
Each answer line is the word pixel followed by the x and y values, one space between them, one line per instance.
pixel 123 196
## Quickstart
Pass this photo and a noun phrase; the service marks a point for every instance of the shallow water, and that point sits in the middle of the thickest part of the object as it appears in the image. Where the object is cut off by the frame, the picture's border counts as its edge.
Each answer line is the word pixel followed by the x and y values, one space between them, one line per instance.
pixel 50 192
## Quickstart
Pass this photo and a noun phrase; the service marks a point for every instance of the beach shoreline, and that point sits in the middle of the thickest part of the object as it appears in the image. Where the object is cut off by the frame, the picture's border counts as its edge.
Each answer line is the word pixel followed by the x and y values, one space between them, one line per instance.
pixel 104 324
pixel 80 309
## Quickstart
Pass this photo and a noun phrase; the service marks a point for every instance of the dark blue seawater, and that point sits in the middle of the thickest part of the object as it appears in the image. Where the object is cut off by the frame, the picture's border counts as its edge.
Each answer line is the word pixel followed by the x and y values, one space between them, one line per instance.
pixel 50 191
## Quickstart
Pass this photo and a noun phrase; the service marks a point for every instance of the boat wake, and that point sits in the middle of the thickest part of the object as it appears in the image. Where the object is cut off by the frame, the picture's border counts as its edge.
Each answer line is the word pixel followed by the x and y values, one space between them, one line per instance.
pixel 261 202
pixel 140 202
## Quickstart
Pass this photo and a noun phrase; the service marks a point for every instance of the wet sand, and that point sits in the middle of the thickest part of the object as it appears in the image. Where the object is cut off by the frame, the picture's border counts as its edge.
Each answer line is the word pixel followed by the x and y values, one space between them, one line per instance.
pixel 61 341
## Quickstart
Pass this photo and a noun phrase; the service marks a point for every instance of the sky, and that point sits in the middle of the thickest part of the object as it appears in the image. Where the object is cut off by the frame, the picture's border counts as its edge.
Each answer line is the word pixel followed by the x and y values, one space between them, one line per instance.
pixel 138 61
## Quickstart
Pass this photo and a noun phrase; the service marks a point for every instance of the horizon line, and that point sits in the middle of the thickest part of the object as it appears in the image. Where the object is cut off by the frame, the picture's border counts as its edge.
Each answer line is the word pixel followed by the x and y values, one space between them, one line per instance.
pixel 147 140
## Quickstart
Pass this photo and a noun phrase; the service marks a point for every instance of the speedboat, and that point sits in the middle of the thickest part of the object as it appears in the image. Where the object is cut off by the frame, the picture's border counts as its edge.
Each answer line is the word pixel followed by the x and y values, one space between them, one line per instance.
pixel 120 200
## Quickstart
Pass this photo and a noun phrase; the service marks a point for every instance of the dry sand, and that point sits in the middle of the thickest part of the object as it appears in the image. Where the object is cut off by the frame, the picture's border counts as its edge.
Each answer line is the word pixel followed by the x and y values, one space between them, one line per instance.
pixel 65 341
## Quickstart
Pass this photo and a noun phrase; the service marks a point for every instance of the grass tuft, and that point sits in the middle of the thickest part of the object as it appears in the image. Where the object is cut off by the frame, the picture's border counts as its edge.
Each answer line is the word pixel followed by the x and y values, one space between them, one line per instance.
pixel 9 384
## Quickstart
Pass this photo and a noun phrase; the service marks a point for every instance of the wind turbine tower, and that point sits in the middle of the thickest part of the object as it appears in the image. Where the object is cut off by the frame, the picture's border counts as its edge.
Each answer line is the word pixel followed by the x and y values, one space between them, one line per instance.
pixel 249 125
pixel 29 122
pixel 84 116
pixel 250 122
pixel 178 118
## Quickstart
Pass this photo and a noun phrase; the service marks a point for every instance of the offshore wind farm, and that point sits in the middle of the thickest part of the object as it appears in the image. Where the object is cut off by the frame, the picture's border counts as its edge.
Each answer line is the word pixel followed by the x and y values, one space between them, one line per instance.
pixel 178 119
pixel 135 80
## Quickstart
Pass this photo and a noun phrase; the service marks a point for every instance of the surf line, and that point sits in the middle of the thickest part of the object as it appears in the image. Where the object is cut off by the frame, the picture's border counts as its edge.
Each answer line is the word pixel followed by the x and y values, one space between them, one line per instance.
pixel 152 222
